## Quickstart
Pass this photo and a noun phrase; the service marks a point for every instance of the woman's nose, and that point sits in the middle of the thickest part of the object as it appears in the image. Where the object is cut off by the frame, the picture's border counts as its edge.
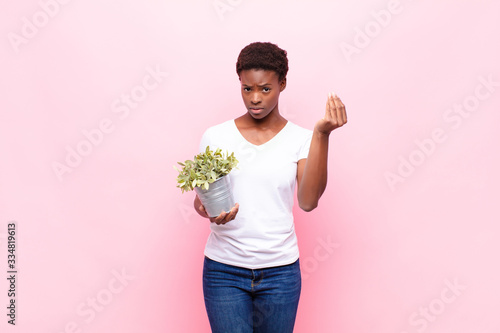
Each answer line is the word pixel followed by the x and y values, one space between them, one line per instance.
pixel 255 98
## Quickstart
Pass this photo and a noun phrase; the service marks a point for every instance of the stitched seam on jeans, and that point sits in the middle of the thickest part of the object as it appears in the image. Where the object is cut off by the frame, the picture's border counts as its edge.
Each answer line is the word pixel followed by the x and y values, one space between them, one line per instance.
pixel 258 282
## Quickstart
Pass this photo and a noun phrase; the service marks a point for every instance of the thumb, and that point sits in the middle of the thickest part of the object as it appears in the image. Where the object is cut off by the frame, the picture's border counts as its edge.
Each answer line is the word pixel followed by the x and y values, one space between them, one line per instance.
pixel 202 208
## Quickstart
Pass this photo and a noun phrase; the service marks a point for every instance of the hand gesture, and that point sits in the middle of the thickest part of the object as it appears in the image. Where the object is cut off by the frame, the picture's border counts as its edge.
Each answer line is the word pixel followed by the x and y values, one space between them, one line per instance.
pixel 335 115
pixel 223 217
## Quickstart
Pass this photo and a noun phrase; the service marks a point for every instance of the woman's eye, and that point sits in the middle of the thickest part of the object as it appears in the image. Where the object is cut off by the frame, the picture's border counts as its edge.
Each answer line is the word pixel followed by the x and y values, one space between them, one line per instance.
pixel 246 89
pixel 266 89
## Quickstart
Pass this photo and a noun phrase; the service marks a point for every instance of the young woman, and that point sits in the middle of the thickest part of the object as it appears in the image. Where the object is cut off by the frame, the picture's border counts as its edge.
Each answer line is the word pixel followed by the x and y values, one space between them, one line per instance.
pixel 251 272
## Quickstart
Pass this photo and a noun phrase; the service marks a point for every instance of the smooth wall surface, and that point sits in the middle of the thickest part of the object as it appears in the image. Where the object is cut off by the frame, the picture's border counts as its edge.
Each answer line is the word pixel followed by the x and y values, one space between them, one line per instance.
pixel 99 99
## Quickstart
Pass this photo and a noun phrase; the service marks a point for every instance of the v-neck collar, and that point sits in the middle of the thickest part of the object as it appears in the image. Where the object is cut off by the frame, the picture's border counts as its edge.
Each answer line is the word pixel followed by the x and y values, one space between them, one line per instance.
pixel 274 138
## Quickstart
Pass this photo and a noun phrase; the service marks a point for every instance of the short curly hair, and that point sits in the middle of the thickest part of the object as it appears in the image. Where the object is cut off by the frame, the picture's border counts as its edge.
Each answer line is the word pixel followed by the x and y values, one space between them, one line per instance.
pixel 263 55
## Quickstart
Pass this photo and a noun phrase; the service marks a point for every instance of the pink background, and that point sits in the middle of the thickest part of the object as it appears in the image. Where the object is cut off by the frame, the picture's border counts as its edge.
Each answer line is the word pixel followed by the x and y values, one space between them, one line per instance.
pixel 405 237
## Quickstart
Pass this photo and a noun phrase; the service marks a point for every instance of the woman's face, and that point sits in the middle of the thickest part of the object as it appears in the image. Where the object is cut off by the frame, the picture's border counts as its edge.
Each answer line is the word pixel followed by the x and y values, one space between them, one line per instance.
pixel 260 90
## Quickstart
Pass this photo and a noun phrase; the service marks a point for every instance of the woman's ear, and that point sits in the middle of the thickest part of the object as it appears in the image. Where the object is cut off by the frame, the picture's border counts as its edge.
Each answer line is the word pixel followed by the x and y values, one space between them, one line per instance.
pixel 282 84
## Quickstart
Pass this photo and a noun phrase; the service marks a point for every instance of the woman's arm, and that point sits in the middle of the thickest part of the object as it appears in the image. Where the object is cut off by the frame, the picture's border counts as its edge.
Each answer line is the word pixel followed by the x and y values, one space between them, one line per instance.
pixel 312 172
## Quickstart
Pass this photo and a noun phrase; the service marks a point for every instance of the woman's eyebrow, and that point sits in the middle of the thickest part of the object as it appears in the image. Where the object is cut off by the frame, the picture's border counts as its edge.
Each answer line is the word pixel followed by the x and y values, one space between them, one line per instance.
pixel 259 85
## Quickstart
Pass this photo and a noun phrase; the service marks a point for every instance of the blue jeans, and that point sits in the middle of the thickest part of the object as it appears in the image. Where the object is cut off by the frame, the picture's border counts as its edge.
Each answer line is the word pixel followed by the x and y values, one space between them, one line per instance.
pixel 241 300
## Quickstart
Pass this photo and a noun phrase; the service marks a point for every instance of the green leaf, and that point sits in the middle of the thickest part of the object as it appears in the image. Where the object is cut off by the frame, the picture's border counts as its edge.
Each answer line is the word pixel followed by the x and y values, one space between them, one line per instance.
pixel 204 169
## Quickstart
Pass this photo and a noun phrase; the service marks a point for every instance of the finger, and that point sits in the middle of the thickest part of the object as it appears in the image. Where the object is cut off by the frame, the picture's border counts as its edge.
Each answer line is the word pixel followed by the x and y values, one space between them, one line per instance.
pixel 333 110
pixel 227 218
pixel 202 209
pixel 330 105
pixel 221 219
pixel 340 111
pixel 327 106
pixel 215 219
pixel 344 115
pixel 233 212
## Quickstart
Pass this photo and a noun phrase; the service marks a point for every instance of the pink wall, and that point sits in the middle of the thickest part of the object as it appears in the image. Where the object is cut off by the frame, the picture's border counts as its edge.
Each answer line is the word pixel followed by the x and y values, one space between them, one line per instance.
pixel 404 239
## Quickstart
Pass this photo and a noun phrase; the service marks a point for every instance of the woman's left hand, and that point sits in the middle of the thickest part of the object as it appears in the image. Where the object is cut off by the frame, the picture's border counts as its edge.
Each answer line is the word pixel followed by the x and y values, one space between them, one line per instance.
pixel 335 115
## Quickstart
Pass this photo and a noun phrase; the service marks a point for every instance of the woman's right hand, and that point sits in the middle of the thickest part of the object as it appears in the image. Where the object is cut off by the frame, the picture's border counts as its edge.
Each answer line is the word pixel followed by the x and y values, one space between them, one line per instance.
pixel 223 217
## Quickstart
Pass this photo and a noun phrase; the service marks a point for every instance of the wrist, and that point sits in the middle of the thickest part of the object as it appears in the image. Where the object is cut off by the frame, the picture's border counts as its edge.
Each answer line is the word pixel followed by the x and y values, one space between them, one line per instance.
pixel 321 134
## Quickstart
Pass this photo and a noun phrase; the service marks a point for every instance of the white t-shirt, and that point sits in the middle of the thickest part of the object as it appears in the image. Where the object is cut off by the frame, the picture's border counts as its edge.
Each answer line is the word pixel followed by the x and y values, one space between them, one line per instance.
pixel 262 234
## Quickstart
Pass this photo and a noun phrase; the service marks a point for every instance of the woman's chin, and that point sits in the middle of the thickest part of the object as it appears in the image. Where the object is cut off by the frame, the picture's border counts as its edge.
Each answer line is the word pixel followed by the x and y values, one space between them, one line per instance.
pixel 258 114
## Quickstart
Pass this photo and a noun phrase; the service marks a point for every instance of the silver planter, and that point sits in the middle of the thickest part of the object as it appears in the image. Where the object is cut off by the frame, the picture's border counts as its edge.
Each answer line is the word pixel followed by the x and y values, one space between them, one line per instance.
pixel 218 197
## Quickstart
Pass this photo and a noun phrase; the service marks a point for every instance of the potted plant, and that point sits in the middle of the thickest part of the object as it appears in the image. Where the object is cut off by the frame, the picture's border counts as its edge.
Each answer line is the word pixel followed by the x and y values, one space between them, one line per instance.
pixel 206 174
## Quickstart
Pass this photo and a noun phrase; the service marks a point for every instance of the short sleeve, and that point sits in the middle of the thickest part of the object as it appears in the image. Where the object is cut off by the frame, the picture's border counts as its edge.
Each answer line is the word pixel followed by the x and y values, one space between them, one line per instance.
pixel 304 148
pixel 205 141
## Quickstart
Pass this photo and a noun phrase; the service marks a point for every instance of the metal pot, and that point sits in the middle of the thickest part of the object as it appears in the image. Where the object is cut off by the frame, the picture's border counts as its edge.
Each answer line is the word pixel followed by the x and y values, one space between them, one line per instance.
pixel 218 197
